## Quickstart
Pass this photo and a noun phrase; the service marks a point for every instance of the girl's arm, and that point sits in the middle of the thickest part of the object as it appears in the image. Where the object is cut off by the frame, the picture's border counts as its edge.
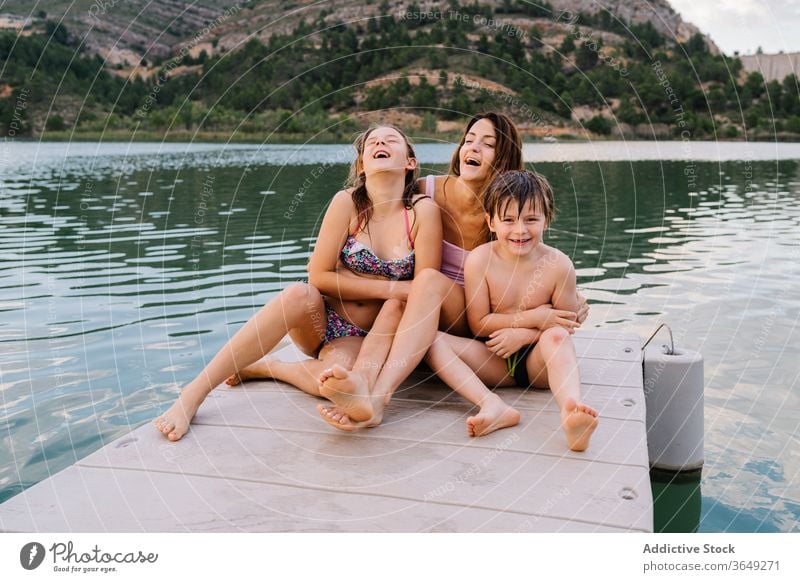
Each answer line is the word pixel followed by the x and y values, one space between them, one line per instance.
pixel 322 272
pixel 427 235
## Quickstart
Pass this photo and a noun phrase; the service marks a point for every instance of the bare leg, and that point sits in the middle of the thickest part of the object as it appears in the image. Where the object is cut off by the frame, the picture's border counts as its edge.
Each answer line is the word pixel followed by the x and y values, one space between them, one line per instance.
pixel 435 301
pixel 553 364
pixel 349 391
pixel 454 359
pixel 304 374
pixel 299 308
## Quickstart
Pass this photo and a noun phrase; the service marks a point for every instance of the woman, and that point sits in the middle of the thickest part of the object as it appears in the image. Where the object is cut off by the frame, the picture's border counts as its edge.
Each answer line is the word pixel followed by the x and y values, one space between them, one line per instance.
pixel 490 145
pixel 360 230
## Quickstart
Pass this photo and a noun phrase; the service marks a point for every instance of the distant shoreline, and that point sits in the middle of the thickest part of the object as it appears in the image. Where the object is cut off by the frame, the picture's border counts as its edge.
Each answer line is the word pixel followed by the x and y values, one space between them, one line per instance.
pixel 329 138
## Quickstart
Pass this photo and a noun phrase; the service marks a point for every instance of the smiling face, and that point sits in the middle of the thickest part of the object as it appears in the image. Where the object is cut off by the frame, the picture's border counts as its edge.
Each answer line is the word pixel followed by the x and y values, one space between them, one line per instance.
pixel 477 153
pixel 385 149
pixel 520 232
pixel 505 153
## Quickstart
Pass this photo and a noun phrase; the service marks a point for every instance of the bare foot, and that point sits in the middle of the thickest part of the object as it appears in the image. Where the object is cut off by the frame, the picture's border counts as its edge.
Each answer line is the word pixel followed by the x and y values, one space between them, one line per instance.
pixel 258 371
pixel 331 414
pixel 348 391
pixel 493 416
pixel 174 423
pixel 578 422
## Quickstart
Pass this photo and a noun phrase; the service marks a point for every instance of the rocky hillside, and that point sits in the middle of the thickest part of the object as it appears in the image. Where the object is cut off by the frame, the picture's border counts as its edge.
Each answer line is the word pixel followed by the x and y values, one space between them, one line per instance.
pixel 322 69
pixel 125 32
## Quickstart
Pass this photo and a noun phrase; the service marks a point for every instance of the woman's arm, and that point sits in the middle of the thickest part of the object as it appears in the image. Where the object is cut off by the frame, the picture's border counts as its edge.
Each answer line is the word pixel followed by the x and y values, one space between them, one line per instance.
pixel 427 236
pixel 322 271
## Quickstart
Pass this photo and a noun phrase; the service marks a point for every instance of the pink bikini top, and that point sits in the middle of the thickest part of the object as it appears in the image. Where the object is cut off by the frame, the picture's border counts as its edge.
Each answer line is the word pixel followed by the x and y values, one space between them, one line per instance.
pixel 453 256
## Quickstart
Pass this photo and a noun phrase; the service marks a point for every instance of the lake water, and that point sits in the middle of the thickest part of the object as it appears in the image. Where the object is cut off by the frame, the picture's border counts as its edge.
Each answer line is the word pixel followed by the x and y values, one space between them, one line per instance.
pixel 125 266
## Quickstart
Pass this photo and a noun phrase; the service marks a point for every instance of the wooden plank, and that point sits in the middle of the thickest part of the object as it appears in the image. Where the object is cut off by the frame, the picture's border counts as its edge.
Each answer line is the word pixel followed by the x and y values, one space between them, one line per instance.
pixel 624 348
pixel 119 500
pixel 288 409
pixel 497 478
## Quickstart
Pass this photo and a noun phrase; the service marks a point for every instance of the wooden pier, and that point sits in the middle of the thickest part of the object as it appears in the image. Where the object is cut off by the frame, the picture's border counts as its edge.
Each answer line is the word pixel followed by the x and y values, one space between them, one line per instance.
pixel 259 459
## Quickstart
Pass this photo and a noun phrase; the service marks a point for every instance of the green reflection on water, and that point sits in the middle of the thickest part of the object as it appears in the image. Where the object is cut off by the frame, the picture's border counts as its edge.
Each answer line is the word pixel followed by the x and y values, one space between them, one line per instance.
pixel 676 501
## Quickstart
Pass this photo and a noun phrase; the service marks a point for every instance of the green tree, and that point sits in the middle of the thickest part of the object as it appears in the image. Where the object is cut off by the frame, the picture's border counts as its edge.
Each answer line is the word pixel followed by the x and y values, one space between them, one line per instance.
pixel 483 44
pixel 627 112
pixel 187 114
pixel 428 122
pixel 586 55
pixel 567 45
pixel 424 95
pixel 55 123
pixel 793 124
pixel 599 124
pixel 755 84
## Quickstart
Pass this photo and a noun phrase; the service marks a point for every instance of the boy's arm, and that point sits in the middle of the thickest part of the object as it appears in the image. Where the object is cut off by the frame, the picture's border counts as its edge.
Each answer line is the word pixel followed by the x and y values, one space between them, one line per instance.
pixel 565 295
pixel 483 322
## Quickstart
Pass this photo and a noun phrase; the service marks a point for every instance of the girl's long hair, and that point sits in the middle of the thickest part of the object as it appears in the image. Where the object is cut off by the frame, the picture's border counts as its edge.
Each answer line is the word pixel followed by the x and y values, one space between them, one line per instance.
pixel 357 179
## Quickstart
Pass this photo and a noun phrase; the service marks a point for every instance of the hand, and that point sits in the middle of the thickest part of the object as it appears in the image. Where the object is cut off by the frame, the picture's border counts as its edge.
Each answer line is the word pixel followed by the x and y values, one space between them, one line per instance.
pixel 583 307
pixel 509 340
pixel 547 317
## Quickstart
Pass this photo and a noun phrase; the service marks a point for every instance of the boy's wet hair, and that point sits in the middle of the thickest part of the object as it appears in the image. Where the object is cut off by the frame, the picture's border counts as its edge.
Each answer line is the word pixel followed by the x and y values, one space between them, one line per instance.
pixel 523 186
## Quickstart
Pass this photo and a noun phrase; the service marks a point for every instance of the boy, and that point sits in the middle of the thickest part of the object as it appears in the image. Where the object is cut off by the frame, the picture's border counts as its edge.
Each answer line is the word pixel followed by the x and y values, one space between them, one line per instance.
pixel 520 293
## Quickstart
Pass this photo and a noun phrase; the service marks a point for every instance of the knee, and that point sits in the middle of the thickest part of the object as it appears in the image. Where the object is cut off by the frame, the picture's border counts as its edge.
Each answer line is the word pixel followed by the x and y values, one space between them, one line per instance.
pixel 437 347
pixel 295 302
pixel 299 294
pixel 554 337
pixel 431 281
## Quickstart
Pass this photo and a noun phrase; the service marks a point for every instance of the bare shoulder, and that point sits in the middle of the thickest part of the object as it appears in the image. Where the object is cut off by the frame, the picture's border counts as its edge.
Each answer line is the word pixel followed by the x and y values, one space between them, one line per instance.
pixel 558 260
pixel 426 208
pixel 343 197
pixel 342 202
pixel 479 257
pixel 341 207
pixel 422 183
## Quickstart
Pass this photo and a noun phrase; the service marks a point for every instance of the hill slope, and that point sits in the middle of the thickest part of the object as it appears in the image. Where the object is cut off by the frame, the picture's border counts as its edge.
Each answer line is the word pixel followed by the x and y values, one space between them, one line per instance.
pixel 304 68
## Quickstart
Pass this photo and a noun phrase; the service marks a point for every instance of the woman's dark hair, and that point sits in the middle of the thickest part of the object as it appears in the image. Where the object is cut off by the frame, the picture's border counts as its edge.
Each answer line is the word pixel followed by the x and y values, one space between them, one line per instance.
pixel 524 187
pixel 357 180
pixel 508 146
pixel 508 151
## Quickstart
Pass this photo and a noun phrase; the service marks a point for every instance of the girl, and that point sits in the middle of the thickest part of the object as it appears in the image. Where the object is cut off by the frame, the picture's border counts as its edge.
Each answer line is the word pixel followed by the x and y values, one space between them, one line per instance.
pixel 384 234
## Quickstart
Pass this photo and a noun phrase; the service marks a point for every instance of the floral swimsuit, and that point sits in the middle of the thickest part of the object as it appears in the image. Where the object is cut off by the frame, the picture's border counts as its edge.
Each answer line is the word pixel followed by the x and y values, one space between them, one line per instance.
pixel 359 258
